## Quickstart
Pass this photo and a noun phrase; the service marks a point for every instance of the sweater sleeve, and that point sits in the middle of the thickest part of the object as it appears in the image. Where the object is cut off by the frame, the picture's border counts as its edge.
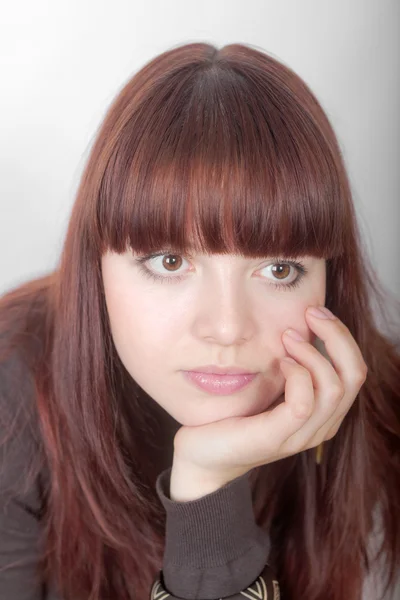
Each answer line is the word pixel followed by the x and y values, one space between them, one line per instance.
pixel 213 546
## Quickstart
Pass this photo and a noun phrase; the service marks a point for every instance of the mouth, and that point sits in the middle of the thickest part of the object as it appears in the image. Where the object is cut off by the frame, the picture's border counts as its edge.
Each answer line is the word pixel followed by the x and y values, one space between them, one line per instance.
pixel 219 384
pixel 227 370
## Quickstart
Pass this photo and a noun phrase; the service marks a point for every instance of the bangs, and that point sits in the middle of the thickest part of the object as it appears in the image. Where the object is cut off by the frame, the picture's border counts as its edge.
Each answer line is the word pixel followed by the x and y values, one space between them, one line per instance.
pixel 214 162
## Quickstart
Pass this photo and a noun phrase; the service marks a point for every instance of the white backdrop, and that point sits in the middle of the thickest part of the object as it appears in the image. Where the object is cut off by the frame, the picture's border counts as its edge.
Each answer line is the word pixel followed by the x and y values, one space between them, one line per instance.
pixel 63 62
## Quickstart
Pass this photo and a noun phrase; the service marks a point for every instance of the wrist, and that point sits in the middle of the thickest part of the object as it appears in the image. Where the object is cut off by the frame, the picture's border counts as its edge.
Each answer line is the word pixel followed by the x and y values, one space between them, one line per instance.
pixel 190 483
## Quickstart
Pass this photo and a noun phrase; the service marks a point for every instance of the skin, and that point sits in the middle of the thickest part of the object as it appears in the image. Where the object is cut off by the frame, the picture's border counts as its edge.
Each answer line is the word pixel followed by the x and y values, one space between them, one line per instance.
pixel 224 311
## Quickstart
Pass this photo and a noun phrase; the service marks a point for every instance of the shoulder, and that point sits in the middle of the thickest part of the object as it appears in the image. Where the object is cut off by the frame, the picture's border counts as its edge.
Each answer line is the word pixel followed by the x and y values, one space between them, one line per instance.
pixel 17 394
pixel 21 482
pixel 21 457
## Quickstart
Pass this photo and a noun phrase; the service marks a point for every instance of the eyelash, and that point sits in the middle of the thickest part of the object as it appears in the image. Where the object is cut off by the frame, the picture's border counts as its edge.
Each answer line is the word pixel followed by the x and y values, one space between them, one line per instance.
pixel 300 268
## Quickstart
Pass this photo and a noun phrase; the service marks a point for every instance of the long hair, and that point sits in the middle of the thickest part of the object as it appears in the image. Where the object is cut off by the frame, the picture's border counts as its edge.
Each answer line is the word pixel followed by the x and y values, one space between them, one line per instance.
pixel 219 150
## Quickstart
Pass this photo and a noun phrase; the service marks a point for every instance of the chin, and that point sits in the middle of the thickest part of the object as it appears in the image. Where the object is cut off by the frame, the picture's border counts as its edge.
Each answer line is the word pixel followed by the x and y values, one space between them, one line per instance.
pixel 213 409
pixel 204 416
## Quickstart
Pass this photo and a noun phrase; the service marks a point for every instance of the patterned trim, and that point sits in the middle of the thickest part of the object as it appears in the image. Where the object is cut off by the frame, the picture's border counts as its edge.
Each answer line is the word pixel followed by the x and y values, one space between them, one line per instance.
pixel 263 588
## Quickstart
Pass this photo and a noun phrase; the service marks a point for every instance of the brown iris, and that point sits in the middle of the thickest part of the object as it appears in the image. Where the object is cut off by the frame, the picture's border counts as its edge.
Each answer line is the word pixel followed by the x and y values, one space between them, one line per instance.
pixel 173 261
pixel 283 270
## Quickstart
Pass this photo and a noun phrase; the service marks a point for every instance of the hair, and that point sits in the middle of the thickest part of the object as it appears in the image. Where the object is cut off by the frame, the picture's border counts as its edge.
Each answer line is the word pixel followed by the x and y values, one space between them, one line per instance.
pixel 216 150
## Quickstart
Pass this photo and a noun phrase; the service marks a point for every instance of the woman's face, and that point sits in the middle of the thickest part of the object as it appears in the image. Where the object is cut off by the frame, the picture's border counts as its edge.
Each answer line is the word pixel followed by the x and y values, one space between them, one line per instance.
pixel 224 310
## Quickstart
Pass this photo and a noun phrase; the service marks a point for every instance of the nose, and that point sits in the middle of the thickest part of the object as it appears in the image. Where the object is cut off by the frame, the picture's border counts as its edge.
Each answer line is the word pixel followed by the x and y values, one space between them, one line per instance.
pixel 224 312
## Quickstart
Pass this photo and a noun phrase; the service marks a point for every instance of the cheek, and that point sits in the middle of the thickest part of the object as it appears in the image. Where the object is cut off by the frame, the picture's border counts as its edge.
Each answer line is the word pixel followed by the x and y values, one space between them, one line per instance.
pixel 140 331
pixel 289 314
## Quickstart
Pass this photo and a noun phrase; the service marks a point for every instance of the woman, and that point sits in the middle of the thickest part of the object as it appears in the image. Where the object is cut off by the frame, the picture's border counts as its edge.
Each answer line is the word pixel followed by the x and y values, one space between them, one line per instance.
pixel 213 212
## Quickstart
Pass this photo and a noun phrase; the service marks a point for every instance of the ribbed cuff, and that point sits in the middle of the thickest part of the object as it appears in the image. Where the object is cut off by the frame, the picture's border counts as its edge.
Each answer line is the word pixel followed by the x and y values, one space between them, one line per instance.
pixel 213 546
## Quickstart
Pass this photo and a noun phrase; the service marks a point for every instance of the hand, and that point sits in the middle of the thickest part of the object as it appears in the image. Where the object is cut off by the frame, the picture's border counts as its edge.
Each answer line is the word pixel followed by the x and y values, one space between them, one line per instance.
pixel 317 397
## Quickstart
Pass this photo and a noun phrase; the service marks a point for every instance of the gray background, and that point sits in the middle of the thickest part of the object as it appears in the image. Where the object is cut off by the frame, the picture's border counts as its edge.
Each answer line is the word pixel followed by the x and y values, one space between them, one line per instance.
pixel 62 63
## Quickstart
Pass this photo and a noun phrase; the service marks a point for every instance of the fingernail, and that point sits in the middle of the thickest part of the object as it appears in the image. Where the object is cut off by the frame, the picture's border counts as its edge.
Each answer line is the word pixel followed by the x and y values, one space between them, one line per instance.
pixel 321 312
pixel 295 335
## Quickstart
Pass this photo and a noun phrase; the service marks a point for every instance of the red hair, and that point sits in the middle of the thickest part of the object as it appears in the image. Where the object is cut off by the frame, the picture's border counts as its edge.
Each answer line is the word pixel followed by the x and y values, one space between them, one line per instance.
pixel 224 150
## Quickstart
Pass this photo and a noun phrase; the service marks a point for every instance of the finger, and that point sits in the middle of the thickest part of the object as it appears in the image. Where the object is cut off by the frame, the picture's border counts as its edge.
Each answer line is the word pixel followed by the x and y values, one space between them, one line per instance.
pixel 342 349
pixel 328 388
pixel 332 431
pixel 337 377
pixel 322 372
pixel 267 433
pixel 346 357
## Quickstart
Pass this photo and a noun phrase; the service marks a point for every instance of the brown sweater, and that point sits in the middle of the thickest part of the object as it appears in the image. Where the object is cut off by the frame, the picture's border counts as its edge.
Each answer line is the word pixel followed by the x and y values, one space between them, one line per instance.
pixel 213 547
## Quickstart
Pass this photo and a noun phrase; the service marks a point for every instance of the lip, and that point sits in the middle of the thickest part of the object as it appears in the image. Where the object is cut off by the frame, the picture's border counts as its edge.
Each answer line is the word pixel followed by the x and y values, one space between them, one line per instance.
pixel 222 370
pixel 219 384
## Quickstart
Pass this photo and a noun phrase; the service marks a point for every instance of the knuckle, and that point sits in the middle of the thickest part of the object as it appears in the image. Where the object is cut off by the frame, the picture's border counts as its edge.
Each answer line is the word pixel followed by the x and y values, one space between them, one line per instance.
pixel 361 375
pixel 335 428
pixel 336 392
pixel 333 431
pixel 328 435
pixel 343 327
pixel 342 415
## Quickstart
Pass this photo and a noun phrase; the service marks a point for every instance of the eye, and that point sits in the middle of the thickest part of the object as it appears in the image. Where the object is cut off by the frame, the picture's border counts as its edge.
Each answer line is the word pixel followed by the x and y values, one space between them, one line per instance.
pixel 171 263
pixel 284 272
